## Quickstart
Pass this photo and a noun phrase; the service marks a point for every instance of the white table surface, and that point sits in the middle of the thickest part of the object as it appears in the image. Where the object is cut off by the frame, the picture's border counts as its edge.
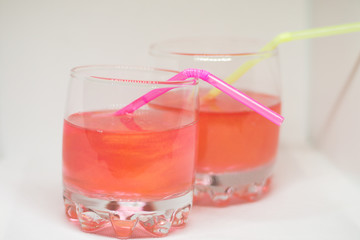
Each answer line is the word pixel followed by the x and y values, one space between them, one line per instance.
pixel 310 199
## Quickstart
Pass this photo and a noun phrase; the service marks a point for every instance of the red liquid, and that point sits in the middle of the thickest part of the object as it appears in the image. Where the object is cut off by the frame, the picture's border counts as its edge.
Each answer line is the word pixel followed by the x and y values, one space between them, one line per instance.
pixel 117 156
pixel 234 138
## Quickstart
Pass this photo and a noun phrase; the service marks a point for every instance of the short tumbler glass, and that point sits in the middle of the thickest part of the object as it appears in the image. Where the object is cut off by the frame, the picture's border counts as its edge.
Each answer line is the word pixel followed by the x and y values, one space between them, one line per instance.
pixel 237 147
pixel 133 173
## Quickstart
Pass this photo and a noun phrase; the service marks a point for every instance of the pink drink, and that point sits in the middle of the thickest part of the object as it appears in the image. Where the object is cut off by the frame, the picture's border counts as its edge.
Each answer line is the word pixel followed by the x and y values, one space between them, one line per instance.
pixel 128 175
pixel 234 138
pixel 139 157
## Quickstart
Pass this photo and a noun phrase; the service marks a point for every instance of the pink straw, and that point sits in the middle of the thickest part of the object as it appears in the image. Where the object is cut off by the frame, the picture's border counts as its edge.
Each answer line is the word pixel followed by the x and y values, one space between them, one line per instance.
pixel 216 82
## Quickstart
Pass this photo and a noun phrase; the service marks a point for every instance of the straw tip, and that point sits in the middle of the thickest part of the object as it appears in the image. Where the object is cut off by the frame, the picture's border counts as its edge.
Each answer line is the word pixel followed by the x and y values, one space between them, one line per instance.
pixel 280 120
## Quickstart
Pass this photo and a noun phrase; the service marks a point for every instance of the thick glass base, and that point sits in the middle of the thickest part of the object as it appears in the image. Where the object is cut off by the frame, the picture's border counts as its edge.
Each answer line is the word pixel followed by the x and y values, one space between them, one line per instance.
pixel 128 218
pixel 222 189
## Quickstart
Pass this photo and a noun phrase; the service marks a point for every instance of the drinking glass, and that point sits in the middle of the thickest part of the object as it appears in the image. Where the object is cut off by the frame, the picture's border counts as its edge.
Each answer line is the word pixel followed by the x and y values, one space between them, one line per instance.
pixel 132 172
pixel 237 147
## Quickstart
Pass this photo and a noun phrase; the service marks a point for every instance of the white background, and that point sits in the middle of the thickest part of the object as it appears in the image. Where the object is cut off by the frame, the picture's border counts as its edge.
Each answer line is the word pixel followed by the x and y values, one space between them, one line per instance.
pixel 40 41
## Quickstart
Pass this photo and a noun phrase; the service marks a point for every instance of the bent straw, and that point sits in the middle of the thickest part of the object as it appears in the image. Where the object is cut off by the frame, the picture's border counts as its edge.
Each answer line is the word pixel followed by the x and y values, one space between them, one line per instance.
pixel 216 82
pixel 281 38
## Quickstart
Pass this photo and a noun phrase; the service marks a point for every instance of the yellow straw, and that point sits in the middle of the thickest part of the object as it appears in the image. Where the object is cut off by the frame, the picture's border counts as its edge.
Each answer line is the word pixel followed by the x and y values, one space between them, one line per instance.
pixel 285 37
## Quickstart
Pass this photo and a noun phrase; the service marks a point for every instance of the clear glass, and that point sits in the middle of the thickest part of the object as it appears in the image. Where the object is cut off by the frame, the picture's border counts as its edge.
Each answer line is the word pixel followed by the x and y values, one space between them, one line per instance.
pixel 133 172
pixel 237 147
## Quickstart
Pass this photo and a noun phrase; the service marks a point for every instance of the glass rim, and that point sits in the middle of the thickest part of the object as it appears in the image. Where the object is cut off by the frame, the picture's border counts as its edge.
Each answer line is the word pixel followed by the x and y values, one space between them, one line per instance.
pixel 76 70
pixel 156 49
